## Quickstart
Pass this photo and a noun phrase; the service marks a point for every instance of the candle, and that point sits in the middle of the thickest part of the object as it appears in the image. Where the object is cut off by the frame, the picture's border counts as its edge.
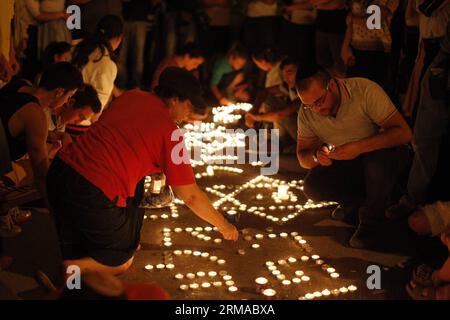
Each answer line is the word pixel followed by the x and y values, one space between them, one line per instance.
pixel 210 171
pixel 221 262
pixel 304 258
pixel 296 280
pixel 184 287
pixel 292 260
pixel 326 292
pixel 309 296
pixel 194 286
pixel 276 272
pixel 197 253
pixel 213 258
pixel 206 285
pixel 212 273
pixel 187 252
pixel 170 266
pixel 269 294
pixel 261 284
pixel 232 216
pixel 283 192
pixel 227 277
pixel 317 294
pixel 315 257
pixel 259 236
pixel 160 266
pixel 282 262
pixel 217 284
pixel 352 288
pixel 149 267
pixel 217 240
pixel 305 278
pixel 201 274
pixel 343 290
pixel 229 283
pixel 271 268
pixel 331 270
pixel 205 255
pixel 269 263
pixel 232 289
pixel 255 246
pixel 283 235
pixel 286 282
pixel 281 277
pixel 299 273
pixel 190 276
pixel 179 276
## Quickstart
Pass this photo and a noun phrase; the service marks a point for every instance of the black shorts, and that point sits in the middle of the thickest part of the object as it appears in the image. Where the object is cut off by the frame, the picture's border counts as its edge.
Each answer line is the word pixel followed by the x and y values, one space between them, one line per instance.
pixel 88 223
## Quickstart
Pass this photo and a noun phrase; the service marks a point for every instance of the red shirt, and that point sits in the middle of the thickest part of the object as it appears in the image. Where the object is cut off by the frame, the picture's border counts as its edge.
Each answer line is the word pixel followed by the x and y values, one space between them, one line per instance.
pixel 131 140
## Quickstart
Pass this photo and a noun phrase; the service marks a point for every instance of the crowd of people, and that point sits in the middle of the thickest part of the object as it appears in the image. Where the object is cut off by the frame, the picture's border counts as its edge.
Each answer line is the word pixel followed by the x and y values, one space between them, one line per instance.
pixel 87 114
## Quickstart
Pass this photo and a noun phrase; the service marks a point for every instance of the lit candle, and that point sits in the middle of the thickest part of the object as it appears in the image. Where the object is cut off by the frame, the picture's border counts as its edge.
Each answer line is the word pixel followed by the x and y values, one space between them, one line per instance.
pixel 271 268
pixel 229 283
pixel 283 192
pixel 296 280
pixel 190 276
pixel 212 273
pixel 292 260
pixel 160 266
pixel 210 171
pixel 326 292
pixel 184 287
pixel 217 284
pixel 201 274
pixel 281 277
pixel 194 286
pixel 304 258
pixel 305 278
pixel 331 270
pixel 282 262
pixel 269 294
pixel 217 240
pixel 187 252
pixel 259 196
pixel 149 267
pixel 232 216
pixel 206 285
pixel 286 282
pixel 170 266
pixel 205 255
pixel 343 290
pixel 232 289
pixel 261 284
pixel 197 253
pixel 299 273
pixel 309 296
pixel 259 236
pixel 352 288
pixel 255 246
pixel 213 258
pixel 221 262
pixel 179 276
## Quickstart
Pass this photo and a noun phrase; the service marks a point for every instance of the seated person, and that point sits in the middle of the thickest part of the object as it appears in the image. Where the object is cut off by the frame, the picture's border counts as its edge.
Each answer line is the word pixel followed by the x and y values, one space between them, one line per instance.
pixel 189 58
pixel 282 103
pixel 83 105
pixel 22 113
pixel 269 62
pixel 434 220
pixel 351 136
pixel 228 83
pixel 95 185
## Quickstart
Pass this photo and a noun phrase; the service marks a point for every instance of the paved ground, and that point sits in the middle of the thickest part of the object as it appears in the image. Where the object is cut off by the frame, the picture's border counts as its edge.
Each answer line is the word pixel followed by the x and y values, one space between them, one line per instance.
pixel 36 249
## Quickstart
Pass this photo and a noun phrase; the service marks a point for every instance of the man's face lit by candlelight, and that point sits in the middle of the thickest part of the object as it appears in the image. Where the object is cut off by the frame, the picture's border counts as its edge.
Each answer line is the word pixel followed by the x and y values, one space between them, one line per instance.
pixel 180 110
pixel 320 98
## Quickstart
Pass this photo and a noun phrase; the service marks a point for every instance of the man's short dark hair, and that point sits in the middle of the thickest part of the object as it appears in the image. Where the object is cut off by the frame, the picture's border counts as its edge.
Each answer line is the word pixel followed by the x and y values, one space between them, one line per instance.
pixel 307 74
pixel 167 92
pixel 192 49
pixel 238 51
pixel 61 75
pixel 87 97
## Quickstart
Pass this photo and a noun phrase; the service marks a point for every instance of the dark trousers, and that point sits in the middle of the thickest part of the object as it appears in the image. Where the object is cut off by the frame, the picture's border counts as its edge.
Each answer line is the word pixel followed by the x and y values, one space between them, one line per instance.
pixel 367 181
pixel 298 41
pixel 259 33
pixel 370 65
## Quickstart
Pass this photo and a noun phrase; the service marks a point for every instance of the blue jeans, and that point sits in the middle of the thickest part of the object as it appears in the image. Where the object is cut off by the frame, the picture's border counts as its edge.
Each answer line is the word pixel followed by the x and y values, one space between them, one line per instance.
pixel 430 126
pixel 131 67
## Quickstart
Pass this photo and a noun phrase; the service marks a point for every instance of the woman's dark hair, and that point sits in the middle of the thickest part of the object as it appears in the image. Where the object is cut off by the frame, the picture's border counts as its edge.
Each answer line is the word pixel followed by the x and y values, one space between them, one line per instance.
pixel 267 54
pixel 192 49
pixel 61 75
pixel 109 27
pixel 54 48
pixel 165 92
pixel 87 97
pixel 239 51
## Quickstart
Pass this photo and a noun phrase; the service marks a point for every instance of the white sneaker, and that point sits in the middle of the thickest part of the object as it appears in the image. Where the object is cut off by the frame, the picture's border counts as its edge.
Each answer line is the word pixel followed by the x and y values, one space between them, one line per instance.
pixel 8 228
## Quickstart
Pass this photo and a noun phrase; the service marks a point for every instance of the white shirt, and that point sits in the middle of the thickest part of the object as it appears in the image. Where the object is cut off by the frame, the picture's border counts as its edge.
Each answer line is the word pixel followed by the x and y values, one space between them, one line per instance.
pixel 101 75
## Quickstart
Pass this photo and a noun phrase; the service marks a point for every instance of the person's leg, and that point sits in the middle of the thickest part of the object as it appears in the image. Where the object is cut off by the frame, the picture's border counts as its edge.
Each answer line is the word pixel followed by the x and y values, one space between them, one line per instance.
pixel 323 54
pixel 140 35
pixel 431 125
pixel 341 182
pixel 122 75
pixel 335 44
pixel 381 170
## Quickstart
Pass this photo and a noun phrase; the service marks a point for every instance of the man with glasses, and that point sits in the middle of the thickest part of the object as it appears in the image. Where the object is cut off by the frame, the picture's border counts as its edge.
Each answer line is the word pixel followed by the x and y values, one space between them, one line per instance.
pixel 351 136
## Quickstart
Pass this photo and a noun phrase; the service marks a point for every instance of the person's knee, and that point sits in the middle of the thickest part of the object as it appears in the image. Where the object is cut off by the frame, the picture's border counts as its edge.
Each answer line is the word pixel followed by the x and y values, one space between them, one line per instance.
pixel 418 222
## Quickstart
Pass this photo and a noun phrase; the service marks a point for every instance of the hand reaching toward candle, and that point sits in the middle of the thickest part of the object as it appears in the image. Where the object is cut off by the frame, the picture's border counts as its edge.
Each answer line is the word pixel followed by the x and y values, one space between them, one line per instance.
pixel 229 232
pixel 348 151
pixel 323 157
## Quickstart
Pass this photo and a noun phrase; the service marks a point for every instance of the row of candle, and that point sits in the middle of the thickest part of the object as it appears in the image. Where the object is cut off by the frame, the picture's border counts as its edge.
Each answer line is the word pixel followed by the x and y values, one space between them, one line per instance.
pixel 210 171
pixel 224 114
pixel 326 293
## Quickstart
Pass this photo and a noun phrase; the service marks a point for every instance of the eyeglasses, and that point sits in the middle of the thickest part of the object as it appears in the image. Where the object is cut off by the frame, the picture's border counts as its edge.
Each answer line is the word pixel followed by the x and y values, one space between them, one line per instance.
pixel 319 102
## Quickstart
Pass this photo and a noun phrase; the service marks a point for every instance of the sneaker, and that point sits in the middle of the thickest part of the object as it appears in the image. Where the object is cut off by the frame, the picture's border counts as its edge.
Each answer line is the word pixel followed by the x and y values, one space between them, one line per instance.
pixel 8 228
pixel 365 237
pixel 19 215
pixel 402 209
